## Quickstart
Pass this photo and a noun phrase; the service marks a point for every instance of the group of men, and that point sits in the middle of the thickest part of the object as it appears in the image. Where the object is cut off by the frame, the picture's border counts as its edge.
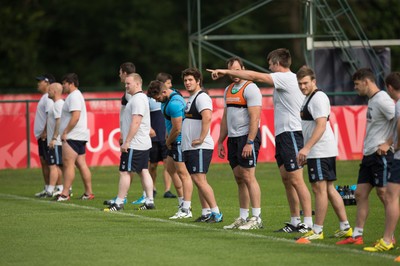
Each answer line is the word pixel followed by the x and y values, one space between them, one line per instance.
pixel 61 131
pixel 303 136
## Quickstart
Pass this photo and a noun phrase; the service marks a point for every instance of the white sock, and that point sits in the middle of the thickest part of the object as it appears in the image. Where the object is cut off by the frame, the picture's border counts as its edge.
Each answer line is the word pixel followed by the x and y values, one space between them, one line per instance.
pixel 149 200
pixel 45 187
pixel 295 220
pixel 144 193
pixel 50 189
pixel 205 211
pixel 215 209
pixel 119 201
pixel 186 204
pixel 244 213
pixel 256 212
pixel 317 228
pixel 344 225
pixel 60 187
pixel 358 232
pixel 308 221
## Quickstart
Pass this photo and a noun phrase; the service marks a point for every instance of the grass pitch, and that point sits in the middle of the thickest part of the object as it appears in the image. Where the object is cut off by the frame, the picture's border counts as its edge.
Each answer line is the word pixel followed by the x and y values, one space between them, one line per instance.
pixel 42 232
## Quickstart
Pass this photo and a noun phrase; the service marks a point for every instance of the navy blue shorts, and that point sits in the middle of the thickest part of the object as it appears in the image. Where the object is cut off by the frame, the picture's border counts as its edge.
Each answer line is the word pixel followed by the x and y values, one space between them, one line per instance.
pixel 374 169
pixel 235 148
pixel 79 146
pixel 394 174
pixel 320 169
pixel 176 152
pixel 54 156
pixel 134 160
pixel 198 161
pixel 287 146
pixel 158 151
pixel 42 148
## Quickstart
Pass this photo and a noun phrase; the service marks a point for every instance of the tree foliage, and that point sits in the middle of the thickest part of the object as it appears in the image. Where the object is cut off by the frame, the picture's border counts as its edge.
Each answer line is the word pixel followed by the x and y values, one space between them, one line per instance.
pixel 92 38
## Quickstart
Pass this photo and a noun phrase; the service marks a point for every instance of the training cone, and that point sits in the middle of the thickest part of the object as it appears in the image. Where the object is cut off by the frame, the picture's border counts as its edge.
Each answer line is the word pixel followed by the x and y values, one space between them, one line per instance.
pixel 302 240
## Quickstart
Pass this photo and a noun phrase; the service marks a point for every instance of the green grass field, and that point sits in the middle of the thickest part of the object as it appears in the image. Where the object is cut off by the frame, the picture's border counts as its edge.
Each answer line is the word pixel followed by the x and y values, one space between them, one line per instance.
pixel 42 232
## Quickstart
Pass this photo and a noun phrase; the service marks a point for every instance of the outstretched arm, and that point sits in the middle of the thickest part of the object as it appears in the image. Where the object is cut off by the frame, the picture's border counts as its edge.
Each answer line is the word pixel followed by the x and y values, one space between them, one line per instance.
pixel 242 74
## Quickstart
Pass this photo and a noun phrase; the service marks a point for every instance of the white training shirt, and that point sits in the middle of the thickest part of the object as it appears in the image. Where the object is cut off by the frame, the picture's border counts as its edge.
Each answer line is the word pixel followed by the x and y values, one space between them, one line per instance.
pixel 288 100
pixel 319 106
pixel 138 105
pixel 380 121
pixel 52 114
pixel 40 116
pixel 75 102
pixel 191 128
pixel 395 135
pixel 238 118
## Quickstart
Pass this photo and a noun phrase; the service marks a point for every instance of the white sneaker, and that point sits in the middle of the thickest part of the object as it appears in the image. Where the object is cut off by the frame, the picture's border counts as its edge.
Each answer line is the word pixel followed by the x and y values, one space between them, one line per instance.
pixel 182 213
pixel 56 192
pixel 253 223
pixel 238 222
pixel 41 193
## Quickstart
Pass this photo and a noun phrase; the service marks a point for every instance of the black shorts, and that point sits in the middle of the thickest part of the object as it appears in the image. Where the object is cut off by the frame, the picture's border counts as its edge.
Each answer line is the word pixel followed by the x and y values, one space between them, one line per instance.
pixel 79 146
pixel 54 156
pixel 134 160
pixel 287 146
pixel 394 174
pixel 374 169
pixel 158 151
pixel 198 161
pixel 176 152
pixel 320 169
pixel 235 148
pixel 42 148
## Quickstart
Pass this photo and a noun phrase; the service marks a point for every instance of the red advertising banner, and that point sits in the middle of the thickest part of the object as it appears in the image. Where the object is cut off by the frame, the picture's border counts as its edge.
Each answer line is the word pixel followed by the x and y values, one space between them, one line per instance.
pixel 348 123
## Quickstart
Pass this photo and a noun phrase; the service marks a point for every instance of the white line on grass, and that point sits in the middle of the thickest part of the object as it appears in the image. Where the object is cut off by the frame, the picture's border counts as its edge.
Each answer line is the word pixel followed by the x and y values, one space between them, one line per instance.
pixel 236 232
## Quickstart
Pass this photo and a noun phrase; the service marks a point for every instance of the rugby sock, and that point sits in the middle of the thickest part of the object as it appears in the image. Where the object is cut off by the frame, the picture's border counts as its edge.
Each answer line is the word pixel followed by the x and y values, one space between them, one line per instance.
pixel 308 221
pixel 244 213
pixel 344 225
pixel 186 205
pixel 205 211
pixel 256 212
pixel 317 228
pixel 358 232
pixel 295 221
pixel 119 201
pixel 50 189
pixel 180 201
pixel 149 200
pixel 215 209
pixel 60 187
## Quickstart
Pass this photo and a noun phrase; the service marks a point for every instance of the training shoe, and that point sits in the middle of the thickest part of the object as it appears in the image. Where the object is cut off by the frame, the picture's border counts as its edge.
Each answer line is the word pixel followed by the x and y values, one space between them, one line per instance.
pixel 358 240
pixel 182 213
pixel 41 193
pixel 87 197
pixel 61 197
pixel 149 206
pixel 238 222
pixel 311 235
pixel 203 218
pixel 112 201
pixel 252 223
pixel 348 232
pixel 289 228
pixel 216 218
pixel 114 207
pixel 380 246
pixel 169 195
pixel 140 200
pixel 56 192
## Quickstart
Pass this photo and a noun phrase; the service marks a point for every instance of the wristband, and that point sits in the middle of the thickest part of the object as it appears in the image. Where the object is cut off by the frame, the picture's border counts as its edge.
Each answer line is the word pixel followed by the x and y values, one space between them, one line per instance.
pixel 249 141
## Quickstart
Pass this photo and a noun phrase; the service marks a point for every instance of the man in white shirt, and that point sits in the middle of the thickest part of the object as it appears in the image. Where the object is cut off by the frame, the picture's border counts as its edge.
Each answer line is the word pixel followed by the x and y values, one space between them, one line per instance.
pixel 39 127
pixel 136 145
pixel 378 150
pixel 74 135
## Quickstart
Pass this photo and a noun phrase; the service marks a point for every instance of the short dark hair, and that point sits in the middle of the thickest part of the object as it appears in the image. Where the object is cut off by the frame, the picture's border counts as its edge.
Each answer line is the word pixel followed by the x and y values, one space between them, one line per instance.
pixel 193 72
pixel 128 67
pixel 393 79
pixel 281 56
pixel 305 71
pixel 364 73
pixel 71 78
pixel 155 88
pixel 232 60
pixel 163 77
